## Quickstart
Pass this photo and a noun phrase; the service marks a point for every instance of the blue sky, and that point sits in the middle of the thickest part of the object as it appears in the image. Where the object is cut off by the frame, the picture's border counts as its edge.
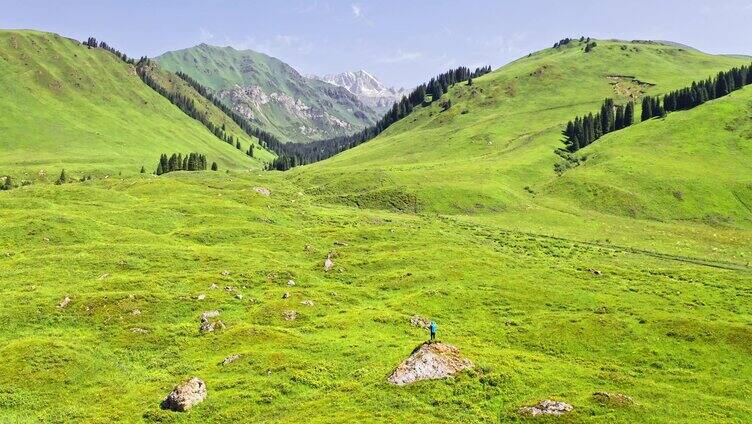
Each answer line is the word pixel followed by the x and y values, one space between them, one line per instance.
pixel 401 42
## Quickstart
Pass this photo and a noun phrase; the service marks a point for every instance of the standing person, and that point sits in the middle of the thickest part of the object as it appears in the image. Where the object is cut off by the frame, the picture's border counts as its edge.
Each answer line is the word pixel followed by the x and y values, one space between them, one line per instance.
pixel 433 328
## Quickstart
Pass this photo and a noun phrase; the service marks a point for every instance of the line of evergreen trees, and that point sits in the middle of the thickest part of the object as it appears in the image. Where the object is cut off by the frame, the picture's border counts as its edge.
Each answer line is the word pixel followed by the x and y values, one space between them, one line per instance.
pixel 698 93
pixel 295 154
pixel 566 41
pixel 178 162
pixel 92 43
pixel 266 139
pixel 184 103
pixel 586 129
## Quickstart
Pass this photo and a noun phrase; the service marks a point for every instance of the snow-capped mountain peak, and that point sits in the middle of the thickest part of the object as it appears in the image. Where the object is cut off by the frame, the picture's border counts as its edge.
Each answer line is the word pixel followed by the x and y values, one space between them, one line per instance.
pixel 367 88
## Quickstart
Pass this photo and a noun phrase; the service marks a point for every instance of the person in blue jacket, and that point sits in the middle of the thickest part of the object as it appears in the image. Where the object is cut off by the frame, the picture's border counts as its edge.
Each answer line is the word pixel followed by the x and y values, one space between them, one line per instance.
pixel 433 328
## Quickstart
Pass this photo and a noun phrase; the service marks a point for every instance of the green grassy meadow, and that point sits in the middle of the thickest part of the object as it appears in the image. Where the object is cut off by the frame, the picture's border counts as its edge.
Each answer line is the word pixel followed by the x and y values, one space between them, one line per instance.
pixel 456 216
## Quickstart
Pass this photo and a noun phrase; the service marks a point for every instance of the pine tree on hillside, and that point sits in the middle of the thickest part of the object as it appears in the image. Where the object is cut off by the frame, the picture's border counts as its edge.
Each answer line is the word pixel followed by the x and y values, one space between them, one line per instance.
pixel 159 170
pixel 62 179
pixel 237 145
pixel 7 184
pixel 619 119
pixel 214 166
pixel 647 109
pixel 143 170
pixel 250 150
pixel 629 114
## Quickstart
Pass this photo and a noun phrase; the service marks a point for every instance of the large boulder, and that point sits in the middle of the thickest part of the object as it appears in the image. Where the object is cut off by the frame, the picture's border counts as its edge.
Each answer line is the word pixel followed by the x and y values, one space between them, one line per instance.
pixel 186 395
pixel 430 361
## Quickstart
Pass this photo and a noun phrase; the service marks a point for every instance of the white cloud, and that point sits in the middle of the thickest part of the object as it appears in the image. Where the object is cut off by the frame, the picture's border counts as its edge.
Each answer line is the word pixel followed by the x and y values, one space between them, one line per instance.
pixel 400 56
pixel 357 10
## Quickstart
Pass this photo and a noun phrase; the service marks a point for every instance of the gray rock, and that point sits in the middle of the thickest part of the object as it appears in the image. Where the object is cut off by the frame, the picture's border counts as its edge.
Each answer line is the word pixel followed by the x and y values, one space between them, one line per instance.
pixel 547 407
pixel 186 395
pixel 307 302
pixel 430 361
pixel 209 322
pixel 328 263
pixel 262 191
pixel 290 315
pixel 63 303
pixel 230 359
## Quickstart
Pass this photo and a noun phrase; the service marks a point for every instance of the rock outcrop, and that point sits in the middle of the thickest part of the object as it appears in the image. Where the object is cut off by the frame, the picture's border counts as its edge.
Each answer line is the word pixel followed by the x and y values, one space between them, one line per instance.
pixel 430 361
pixel 547 407
pixel 186 395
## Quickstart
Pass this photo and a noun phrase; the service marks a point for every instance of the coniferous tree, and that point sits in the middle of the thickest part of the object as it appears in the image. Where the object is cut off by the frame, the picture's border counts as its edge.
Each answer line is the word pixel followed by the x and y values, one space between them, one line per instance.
pixel 214 166
pixel 159 170
pixel 647 109
pixel 629 114
pixel 143 170
pixel 62 179
pixel 619 119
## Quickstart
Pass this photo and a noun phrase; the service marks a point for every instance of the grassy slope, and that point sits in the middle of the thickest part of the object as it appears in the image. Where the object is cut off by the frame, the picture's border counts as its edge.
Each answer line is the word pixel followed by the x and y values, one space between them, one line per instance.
pixel 672 332
pixel 477 159
pixel 175 84
pixel 84 110
pixel 673 335
pixel 220 68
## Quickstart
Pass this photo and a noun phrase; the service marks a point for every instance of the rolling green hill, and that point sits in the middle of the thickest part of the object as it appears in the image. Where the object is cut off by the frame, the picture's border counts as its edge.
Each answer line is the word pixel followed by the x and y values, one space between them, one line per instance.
pixel 177 86
pixel 271 93
pixel 67 106
pixel 627 274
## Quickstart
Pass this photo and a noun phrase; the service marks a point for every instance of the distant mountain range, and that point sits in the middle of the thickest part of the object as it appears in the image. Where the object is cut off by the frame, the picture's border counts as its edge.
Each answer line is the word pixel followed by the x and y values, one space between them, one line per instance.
pixel 367 88
pixel 272 94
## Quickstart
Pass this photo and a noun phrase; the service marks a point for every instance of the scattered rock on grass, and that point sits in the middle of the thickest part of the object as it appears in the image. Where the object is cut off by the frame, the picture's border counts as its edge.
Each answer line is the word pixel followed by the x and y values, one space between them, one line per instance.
pixel 225 273
pixel 230 359
pixel 430 361
pixel 614 399
pixel 328 263
pixel 139 330
pixel 201 297
pixel 239 296
pixel 547 407
pixel 290 315
pixel 63 303
pixel 262 191
pixel 209 322
pixel 286 295
pixel 185 395
pixel 419 321
pixel 595 271
pixel 291 283
pixel 307 302
pixel 136 312
pixel 214 286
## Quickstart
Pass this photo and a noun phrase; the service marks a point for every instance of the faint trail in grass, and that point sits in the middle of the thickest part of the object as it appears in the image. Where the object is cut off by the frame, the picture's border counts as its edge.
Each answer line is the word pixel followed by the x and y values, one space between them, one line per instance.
pixel 615 248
